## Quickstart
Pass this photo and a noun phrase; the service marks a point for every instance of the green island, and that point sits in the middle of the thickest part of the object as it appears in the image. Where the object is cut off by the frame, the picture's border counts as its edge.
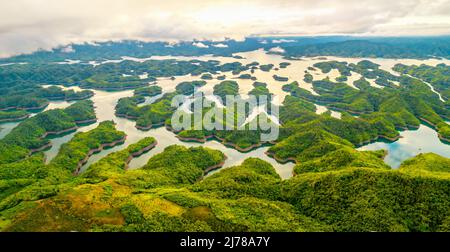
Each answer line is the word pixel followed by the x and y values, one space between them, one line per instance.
pixel 148 91
pixel 259 89
pixel 308 78
pixel 18 101
pixel 206 76
pixel 247 77
pixel 10 116
pixel 280 78
pixel 266 68
pixel 226 88
pixel 284 64
pixel 188 87
pixel 32 134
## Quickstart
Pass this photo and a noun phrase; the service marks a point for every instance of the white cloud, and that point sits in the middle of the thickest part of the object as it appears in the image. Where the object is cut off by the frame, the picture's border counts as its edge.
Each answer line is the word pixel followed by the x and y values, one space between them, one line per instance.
pixel 200 45
pixel 276 50
pixel 67 49
pixel 220 45
pixel 278 41
pixel 27 25
pixel 171 44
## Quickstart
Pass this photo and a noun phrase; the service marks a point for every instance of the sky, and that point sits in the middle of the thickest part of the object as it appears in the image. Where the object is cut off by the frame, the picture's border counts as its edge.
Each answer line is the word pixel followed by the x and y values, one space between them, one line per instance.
pixel 28 25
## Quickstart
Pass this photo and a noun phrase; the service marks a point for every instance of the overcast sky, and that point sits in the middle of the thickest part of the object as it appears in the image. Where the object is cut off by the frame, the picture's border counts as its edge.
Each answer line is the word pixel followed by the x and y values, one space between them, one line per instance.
pixel 26 25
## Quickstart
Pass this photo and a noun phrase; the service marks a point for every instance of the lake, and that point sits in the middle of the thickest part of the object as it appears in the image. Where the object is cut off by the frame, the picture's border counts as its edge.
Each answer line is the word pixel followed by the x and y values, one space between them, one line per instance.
pixel 411 143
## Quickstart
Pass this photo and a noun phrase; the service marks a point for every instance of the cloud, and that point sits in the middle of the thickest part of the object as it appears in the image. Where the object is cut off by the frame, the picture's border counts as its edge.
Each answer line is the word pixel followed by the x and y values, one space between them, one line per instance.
pixel 279 41
pixel 220 45
pixel 67 49
pixel 27 25
pixel 276 50
pixel 200 45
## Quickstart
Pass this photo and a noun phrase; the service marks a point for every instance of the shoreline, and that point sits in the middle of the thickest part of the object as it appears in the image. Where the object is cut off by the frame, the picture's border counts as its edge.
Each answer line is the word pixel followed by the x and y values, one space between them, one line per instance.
pixel 25 108
pixel 56 133
pixel 138 154
pixel 145 128
pixel 223 141
pixel 97 150
pixel 215 167
pixel 49 144
pixel 15 119
pixel 219 139
pixel 434 126
pixel 112 89
pixel 390 139
pixel 42 148
pixel 86 121
pixel 280 160
pixel 63 98
pixel 129 117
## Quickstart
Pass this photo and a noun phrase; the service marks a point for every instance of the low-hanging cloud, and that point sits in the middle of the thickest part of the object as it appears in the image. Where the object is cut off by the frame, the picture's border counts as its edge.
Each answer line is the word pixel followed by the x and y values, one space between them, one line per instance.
pixel 27 25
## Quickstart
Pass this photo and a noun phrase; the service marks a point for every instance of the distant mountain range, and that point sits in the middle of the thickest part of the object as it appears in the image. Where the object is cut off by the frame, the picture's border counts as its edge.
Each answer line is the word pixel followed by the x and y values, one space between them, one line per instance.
pixel 344 46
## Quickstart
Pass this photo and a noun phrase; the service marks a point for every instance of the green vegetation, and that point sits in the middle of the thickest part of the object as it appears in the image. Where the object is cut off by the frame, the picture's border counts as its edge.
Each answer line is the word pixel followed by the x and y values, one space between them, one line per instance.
pixel 341 78
pixel 188 88
pixel 35 97
pixel 20 85
pixel 395 48
pixel 7 116
pixel 226 88
pixel 117 162
pixel 82 145
pixel 280 78
pixel 246 77
pixel 437 76
pixel 308 78
pixel 57 93
pixel 284 64
pixel 426 163
pixel 169 194
pixel 206 77
pixel 335 187
pixel 147 116
pixel 148 91
pixel 345 46
pixel 361 199
pixel 266 68
pixel 30 135
pixel 389 109
pixel 260 89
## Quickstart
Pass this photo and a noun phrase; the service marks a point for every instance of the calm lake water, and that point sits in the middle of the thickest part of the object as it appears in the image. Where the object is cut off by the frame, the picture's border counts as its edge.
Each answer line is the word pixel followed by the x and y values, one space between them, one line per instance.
pixel 412 142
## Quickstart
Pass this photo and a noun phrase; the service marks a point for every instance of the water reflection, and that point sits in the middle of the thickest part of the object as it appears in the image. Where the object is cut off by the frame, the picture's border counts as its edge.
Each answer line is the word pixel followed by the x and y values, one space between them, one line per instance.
pixel 413 142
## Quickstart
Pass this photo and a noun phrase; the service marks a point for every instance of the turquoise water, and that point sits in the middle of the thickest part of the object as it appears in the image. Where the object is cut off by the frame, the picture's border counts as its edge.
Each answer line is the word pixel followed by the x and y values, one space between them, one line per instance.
pixel 413 142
